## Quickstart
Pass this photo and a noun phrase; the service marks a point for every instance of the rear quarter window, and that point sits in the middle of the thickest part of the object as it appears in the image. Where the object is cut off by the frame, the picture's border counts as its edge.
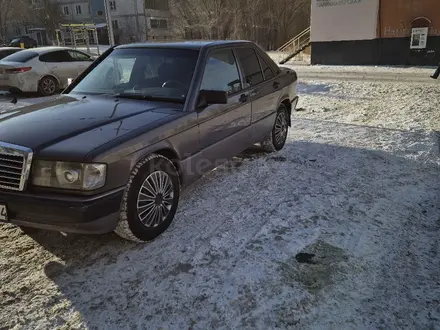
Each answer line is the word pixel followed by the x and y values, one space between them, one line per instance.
pixel 22 56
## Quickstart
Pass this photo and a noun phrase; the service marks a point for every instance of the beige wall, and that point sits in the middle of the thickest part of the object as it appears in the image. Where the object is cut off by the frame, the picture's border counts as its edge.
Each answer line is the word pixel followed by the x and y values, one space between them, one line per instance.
pixel 336 20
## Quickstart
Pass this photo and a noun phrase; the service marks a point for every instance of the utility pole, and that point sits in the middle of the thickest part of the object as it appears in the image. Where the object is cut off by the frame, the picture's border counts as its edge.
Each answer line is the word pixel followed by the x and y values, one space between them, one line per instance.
pixel 108 18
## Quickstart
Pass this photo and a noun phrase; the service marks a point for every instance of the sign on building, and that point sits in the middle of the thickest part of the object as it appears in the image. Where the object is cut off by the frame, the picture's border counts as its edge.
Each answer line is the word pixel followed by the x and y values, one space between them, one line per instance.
pixel 344 20
pixel 419 38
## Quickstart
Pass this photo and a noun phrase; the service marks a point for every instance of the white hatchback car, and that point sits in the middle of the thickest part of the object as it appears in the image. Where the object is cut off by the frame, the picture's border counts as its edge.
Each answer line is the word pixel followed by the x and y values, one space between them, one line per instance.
pixel 45 70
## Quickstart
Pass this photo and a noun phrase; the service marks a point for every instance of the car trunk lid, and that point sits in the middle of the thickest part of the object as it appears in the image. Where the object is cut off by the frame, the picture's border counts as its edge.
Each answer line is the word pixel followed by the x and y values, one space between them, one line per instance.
pixel 7 67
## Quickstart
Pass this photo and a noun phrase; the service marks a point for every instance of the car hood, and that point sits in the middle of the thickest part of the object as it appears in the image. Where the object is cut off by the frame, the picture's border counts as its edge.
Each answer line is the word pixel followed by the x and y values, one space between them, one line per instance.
pixel 41 125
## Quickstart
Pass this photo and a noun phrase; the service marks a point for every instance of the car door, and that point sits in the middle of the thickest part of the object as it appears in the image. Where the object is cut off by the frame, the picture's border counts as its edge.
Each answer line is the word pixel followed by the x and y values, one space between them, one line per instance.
pixel 225 129
pixel 80 60
pixel 61 65
pixel 263 88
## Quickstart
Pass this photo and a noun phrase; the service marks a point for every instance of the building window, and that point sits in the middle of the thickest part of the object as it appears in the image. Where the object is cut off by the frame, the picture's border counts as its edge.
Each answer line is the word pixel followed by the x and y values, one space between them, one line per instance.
pixel 158 23
pixel 112 5
pixel 78 9
pixel 157 4
pixel 66 10
pixel 115 25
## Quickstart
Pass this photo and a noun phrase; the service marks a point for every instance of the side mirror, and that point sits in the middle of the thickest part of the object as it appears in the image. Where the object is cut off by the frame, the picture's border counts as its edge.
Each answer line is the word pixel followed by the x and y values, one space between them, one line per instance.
pixel 212 97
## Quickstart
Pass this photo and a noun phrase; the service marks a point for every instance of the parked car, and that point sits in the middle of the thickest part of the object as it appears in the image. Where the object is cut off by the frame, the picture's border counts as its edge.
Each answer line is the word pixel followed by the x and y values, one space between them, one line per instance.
pixel 27 42
pixel 44 70
pixel 113 151
pixel 6 51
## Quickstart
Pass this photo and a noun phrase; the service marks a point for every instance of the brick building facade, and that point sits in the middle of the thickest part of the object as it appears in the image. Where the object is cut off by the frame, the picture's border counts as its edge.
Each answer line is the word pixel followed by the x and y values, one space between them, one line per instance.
pixel 379 32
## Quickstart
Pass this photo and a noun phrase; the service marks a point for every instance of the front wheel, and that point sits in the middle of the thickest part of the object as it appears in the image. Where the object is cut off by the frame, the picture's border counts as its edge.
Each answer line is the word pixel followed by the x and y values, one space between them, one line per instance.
pixel 150 199
pixel 276 139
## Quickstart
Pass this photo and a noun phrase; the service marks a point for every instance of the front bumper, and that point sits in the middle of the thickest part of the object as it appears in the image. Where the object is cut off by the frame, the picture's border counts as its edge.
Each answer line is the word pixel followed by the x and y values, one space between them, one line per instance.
pixel 74 214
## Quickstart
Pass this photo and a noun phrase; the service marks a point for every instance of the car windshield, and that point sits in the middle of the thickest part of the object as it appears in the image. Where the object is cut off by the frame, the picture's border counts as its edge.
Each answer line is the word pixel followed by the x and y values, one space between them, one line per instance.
pixel 15 41
pixel 146 73
pixel 21 56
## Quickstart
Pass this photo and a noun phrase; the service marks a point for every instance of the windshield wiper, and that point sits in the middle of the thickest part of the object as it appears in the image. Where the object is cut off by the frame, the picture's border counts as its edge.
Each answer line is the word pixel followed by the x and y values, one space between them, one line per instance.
pixel 146 97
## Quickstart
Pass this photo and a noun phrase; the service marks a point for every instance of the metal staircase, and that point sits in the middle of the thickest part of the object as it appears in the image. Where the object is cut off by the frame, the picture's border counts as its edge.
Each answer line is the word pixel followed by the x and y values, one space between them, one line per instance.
pixel 295 45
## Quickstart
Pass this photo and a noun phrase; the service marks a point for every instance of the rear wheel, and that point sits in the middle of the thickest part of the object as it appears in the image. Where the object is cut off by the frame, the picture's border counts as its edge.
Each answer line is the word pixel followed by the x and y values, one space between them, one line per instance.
pixel 47 86
pixel 150 199
pixel 276 139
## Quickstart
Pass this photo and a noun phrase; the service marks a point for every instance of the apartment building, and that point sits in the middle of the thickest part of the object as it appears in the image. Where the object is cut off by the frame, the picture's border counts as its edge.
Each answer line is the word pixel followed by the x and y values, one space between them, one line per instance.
pixel 75 11
pixel 135 20
pixel 132 20
pixel 158 16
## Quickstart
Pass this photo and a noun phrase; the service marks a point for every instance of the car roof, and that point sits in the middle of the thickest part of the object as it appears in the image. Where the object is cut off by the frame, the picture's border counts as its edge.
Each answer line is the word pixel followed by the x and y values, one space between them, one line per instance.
pixel 44 50
pixel 194 45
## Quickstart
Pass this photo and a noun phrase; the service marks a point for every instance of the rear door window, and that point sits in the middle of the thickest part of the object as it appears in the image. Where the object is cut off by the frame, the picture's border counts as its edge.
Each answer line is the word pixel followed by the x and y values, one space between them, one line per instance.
pixel 78 56
pixel 250 65
pixel 21 56
pixel 267 71
pixel 58 56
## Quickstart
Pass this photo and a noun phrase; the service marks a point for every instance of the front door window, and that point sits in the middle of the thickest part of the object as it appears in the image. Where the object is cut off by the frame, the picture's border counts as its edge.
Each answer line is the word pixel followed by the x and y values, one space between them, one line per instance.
pixel 221 72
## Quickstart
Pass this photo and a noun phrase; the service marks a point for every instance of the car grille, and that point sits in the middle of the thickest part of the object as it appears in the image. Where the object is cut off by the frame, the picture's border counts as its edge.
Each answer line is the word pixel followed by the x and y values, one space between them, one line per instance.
pixel 15 165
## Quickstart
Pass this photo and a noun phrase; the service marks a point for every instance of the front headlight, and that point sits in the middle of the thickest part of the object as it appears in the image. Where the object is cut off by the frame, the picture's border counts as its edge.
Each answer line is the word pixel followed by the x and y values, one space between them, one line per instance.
pixel 66 175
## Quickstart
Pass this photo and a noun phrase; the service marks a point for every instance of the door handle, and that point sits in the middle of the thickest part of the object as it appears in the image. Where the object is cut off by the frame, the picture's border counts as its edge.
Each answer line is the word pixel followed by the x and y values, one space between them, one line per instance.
pixel 243 98
pixel 276 84
pixel 255 92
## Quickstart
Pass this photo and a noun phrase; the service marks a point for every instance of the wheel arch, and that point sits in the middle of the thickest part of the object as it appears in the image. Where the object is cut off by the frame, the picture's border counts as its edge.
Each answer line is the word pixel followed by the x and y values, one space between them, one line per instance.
pixel 51 76
pixel 165 151
pixel 286 102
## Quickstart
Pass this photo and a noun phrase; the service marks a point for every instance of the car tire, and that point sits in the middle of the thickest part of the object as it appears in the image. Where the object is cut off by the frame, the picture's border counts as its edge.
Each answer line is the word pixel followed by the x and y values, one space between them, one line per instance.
pixel 47 86
pixel 148 207
pixel 276 139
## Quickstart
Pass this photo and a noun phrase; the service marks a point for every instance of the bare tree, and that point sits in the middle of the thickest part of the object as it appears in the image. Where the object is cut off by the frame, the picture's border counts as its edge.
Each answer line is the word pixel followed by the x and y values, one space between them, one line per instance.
pixel 48 15
pixel 269 23
pixel 6 8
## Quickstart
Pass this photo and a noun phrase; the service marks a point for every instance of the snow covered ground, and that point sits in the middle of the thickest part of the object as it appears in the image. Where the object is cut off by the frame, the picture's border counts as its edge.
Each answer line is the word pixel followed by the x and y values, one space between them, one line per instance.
pixel 357 185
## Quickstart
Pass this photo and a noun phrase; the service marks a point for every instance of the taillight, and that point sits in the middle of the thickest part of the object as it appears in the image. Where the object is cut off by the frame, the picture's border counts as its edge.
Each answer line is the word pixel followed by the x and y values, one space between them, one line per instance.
pixel 18 70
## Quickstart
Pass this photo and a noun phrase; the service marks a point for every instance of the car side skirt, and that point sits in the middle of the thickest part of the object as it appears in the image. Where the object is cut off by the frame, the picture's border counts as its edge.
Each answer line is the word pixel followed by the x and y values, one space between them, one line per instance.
pixel 213 156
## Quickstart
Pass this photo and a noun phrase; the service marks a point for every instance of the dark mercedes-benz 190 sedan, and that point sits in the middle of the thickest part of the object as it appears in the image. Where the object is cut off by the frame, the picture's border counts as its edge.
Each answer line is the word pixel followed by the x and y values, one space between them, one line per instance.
pixel 113 151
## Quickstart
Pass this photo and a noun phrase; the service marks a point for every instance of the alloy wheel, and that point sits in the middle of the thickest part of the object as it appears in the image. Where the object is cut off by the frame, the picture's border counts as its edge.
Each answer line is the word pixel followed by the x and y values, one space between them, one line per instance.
pixel 281 128
pixel 48 86
pixel 155 199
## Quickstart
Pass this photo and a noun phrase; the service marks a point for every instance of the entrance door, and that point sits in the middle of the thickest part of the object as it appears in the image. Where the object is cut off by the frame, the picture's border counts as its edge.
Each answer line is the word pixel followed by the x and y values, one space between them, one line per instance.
pixel 39 38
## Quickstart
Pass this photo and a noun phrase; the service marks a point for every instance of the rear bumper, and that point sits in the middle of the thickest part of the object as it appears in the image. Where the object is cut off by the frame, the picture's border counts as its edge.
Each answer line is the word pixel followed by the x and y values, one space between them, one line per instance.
pixel 76 214
pixel 21 82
